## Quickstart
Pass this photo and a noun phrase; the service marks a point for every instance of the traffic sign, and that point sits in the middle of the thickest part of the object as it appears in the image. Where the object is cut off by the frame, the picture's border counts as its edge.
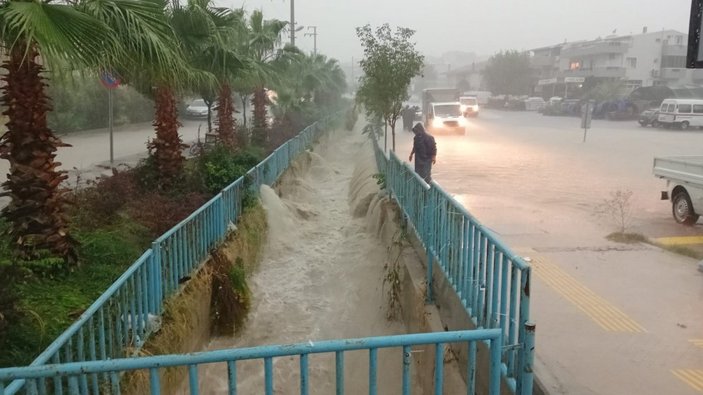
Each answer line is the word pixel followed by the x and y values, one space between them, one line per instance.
pixel 578 80
pixel 108 80
pixel 548 81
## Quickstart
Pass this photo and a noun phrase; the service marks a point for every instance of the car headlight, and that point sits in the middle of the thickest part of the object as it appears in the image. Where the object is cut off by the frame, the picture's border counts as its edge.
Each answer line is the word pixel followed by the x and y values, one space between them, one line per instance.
pixel 462 121
pixel 437 122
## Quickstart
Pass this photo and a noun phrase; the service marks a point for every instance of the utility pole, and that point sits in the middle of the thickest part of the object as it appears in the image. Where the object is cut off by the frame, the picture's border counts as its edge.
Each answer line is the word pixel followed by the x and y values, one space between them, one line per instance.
pixel 292 22
pixel 314 35
pixel 353 81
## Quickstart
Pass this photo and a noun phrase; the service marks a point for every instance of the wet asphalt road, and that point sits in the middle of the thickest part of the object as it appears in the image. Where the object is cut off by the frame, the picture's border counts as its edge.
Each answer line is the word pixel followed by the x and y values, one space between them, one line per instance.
pixel 526 174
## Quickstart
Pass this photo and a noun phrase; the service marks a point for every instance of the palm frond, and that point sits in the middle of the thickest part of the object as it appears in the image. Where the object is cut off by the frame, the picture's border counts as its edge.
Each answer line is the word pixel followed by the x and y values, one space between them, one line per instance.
pixel 63 34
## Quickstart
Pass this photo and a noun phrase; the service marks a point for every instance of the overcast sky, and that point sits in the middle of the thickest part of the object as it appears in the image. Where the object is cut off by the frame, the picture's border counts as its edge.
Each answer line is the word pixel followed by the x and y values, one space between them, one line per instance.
pixel 480 26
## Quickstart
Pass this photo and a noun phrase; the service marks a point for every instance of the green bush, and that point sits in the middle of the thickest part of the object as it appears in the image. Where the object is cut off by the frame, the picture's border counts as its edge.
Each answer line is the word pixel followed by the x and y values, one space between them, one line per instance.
pixel 48 304
pixel 220 167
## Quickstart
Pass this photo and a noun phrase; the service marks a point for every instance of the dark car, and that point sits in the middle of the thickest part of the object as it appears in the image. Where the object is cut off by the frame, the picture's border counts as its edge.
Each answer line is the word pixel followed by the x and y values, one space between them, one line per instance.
pixel 649 117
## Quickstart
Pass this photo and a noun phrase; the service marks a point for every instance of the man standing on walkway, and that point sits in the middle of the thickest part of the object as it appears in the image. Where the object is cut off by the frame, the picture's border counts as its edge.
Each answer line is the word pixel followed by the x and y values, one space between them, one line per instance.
pixel 425 152
pixel 407 121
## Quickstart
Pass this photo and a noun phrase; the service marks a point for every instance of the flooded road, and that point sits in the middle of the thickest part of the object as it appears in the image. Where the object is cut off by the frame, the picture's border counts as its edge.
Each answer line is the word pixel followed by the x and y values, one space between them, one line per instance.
pixel 611 318
pixel 543 178
pixel 320 278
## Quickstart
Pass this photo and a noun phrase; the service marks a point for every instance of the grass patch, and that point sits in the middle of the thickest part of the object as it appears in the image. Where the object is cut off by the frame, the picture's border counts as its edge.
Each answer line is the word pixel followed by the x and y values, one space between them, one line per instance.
pixel 627 238
pixel 682 250
pixel 48 304
pixel 633 238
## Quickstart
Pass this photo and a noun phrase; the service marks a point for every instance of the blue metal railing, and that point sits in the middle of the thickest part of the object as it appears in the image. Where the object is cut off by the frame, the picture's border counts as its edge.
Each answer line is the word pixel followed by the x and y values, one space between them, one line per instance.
pixel 118 323
pixel 491 281
pixel 86 372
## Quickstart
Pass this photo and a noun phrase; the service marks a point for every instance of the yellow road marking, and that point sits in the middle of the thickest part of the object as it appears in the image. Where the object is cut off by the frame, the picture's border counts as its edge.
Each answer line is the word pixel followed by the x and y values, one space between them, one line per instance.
pixel 697 342
pixel 606 315
pixel 680 240
pixel 692 377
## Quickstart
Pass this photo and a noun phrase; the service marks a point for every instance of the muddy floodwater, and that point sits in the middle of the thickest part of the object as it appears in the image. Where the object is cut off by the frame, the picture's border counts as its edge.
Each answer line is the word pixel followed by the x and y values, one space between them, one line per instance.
pixel 320 278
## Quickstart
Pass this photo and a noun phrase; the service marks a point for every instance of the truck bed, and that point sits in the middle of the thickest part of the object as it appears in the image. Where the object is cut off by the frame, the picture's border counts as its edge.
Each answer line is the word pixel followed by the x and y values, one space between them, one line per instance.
pixel 685 169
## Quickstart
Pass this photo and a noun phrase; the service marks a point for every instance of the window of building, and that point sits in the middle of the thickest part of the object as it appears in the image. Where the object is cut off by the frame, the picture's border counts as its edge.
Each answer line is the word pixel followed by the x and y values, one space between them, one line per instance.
pixel 679 40
pixel 684 108
pixel 633 84
pixel 674 62
pixel 575 65
pixel 631 63
pixel 698 108
pixel 611 56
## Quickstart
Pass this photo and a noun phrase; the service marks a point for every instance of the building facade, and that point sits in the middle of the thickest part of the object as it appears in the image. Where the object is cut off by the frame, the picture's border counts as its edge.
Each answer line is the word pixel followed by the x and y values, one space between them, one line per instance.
pixel 639 60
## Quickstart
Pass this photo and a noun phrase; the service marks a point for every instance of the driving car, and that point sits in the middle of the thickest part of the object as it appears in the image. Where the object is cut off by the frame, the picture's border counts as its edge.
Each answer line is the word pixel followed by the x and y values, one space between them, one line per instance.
pixel 649 117
pixel 469 106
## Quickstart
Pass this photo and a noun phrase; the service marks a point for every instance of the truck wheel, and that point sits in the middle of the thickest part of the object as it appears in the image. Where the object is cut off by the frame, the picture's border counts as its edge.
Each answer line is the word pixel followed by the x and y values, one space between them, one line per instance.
pixel 684 125
pixel 682 209
pixel 656 124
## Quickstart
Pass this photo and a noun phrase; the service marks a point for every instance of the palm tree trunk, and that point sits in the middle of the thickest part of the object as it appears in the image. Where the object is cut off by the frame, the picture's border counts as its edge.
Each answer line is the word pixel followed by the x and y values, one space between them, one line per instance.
pixel 260 132
pixel 244 109
pixel 209 117
pixel 36 209
pixel 225 117
pixel 166 148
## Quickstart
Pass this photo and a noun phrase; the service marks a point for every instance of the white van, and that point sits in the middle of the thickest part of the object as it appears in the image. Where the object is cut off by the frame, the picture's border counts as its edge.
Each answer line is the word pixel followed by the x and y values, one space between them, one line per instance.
pixel 469 106
pixel 681 113
pixel 446 117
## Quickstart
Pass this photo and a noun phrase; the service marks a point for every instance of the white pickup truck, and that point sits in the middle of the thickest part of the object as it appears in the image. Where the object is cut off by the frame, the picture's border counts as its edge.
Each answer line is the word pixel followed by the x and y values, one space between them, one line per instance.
pixel 684 185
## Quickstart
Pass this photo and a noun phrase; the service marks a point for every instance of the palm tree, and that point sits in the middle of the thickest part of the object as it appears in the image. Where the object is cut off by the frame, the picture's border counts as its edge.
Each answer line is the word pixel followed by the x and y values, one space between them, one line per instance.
pixel 36 35
pixel 264 36
pixel 309 80
pixel 188 27
pixel 225 64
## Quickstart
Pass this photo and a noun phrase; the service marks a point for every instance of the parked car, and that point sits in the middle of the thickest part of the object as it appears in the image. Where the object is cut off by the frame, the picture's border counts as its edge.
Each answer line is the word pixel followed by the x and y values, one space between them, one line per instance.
pixel 681 113
pixel 534 104
pixel 649 117
pixel 198 109
pixel 684 185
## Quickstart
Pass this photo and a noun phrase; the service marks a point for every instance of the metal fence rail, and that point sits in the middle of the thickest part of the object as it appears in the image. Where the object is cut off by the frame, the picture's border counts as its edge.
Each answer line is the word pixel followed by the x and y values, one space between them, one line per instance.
pixel 491 281
pixel 85 374
pixel 118 323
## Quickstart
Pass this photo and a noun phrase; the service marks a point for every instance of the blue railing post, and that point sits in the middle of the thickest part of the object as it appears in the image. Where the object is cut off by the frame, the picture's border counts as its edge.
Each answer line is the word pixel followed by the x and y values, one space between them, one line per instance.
pixel 156 283
pixel 525 356
pixel 221 217
pixel 429 218
pixel 525 383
